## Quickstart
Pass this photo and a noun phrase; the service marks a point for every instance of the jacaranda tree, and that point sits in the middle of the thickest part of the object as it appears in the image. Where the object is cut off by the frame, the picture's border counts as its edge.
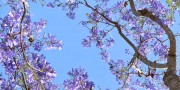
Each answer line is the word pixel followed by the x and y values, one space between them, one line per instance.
pixel 145 25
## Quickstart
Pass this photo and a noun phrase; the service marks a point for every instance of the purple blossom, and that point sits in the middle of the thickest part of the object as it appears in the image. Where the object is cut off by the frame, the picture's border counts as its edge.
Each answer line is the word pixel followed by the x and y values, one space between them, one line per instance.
pixel 127 51
pixel 110 42
pixel 94 33
pixel 17 64
pixel 70 15
pixel 37 46
pixel 102 33
pixel 37 69
pixel 103 1
pixel 120 70
pixel 105 56
pixel 50 5
pixel 86 43
pixel 39 25
pixel 45 73
pixel 11 43
pixel 99 44
pixel 79 80
pixel 52 43
pixel 84 23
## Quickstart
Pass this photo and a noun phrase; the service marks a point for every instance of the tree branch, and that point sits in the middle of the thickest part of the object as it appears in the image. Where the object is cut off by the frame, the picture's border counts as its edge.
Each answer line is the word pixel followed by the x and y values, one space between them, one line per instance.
pixel 142 58
pixel 86 4
pixel 21 42
pixel 170 78
pixel 139 56
pixel 172 51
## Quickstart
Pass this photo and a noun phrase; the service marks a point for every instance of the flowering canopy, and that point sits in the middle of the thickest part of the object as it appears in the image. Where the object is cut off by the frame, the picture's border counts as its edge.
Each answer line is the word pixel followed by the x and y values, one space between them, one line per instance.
pixel 143 24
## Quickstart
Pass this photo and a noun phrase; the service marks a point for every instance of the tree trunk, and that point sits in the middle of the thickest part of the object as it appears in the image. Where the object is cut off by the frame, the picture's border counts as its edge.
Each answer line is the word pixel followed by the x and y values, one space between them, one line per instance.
pixel 172 81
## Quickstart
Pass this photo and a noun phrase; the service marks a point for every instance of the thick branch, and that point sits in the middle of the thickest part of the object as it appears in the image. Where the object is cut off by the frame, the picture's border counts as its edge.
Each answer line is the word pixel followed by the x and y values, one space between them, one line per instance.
pixel 171 37
pixel 170 78
pixel 142 58
pixel 139 56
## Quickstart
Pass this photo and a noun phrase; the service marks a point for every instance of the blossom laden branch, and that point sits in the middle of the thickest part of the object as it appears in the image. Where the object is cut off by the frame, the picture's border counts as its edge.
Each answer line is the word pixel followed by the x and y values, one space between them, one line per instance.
pixel 21 42
pixel 170 78
pixel 139 56
pixel 86 4
pixel 22 45
pixel 171 37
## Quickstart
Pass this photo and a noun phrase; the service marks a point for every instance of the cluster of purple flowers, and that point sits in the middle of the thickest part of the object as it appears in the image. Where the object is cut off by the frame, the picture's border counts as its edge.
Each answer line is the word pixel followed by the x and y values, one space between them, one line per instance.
pixel 78 80
pixel 26 69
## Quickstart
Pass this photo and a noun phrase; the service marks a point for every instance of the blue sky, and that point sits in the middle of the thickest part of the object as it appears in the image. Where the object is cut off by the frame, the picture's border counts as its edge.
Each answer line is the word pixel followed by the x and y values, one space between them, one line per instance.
pixel 73 55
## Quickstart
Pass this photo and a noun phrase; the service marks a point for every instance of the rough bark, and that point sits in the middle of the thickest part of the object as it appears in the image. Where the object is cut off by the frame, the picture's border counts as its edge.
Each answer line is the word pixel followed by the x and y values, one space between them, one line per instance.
pixel 170 78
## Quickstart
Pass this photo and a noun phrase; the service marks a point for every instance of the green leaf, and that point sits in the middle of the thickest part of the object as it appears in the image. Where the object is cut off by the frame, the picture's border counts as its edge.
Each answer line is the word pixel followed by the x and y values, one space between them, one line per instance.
pixel 170 16
pixel 178 4
pixel 172 8
pixel 35 76
pixel 169 2
pixel 120 77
